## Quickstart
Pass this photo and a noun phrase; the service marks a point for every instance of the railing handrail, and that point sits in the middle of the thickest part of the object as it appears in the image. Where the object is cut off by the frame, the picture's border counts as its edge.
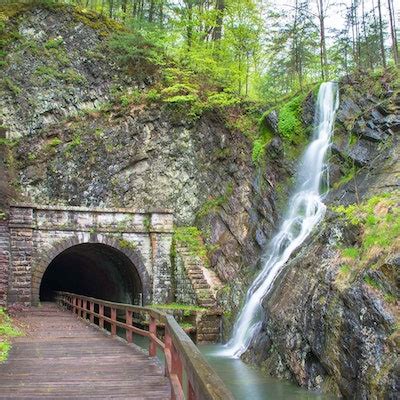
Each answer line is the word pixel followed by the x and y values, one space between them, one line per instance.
pixel 181 354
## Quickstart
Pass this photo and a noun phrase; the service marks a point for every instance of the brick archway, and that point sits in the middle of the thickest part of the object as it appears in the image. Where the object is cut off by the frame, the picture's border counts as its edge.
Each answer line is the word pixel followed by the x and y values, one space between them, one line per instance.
pixel 48 256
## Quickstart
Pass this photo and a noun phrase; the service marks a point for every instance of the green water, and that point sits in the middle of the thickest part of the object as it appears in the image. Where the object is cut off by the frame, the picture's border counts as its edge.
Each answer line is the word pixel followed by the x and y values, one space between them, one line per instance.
pixel 245 382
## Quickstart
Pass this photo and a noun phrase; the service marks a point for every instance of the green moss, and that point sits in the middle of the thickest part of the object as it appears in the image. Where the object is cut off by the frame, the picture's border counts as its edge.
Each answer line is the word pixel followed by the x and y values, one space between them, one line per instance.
pixel 214 203
pixel 261 142
pixel 351 252
pixel 186 326
pixel 147 223
pixel 76 141
pixel 54 43
pixel 289 121
pixel 7 330
pixel 370 281
pixel 12 86
pixel 178 306
pixel 221 100
pixel 126 244
pixel 191 237
pixel 346 177
pixel 53 143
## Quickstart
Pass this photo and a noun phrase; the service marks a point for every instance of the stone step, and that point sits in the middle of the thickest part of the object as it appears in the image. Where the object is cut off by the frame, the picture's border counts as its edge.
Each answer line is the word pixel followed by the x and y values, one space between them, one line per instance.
pixel 200 286
pixel 200 280
pixel 207 303
pixel 209 331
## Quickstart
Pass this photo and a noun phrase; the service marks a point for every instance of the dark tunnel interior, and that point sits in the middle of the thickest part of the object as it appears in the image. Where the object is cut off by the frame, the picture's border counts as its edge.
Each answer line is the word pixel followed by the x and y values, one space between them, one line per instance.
pixel 94 270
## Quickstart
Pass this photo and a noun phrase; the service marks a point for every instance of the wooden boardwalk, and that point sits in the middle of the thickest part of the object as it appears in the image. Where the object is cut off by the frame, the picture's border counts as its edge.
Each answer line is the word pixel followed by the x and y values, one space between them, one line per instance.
pixel 63 358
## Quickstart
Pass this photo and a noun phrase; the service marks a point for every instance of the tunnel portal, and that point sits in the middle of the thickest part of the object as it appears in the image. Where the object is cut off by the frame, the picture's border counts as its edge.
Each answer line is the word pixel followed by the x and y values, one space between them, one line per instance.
pixel 94 270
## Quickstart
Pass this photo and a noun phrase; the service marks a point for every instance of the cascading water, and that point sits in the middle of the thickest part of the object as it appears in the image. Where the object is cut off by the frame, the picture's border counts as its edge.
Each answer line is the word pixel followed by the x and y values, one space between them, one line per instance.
pixel 305 211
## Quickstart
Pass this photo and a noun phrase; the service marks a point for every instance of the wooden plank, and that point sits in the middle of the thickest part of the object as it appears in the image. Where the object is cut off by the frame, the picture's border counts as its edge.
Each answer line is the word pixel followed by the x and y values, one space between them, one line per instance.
pixel 61 357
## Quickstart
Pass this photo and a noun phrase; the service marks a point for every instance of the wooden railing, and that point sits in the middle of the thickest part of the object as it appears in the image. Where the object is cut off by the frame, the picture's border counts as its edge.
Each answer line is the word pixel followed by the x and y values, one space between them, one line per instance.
pixel 190 375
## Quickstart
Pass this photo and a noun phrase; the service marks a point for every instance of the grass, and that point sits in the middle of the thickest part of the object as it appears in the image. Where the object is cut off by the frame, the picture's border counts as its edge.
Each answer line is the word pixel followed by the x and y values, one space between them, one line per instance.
pixel 351 252
pixel 191 237
pixel 7 331
pixel 214 203
pixel 178 306
pixel 378 223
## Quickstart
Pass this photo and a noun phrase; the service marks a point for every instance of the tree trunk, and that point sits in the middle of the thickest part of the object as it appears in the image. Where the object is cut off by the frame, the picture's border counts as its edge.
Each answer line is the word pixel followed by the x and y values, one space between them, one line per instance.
pixel 217 31
pixel 382 44
pixel 395 49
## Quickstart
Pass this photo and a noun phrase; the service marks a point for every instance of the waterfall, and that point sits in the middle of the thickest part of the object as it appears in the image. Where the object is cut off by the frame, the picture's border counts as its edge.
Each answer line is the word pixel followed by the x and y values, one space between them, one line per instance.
pixel 305 210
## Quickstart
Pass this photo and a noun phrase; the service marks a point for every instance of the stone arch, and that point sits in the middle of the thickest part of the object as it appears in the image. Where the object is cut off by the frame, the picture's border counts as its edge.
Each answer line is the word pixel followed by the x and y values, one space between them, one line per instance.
pixel 42 262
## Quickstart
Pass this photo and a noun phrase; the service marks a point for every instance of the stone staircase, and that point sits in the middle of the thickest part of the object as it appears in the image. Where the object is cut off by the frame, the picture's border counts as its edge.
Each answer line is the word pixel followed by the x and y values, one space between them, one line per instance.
pixel 197 275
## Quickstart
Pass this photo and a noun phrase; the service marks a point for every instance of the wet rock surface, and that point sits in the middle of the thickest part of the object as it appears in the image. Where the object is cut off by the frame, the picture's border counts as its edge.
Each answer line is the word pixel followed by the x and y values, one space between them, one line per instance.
pixel 73 150
pixel 322 333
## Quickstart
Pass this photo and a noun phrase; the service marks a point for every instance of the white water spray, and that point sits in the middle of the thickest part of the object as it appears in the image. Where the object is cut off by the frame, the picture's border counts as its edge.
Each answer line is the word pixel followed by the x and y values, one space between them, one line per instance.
pixel 305 211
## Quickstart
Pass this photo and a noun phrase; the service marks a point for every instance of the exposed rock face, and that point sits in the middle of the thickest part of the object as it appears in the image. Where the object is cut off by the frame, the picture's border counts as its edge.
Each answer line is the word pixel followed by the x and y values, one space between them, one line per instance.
pixel 75 149
pixel 323 328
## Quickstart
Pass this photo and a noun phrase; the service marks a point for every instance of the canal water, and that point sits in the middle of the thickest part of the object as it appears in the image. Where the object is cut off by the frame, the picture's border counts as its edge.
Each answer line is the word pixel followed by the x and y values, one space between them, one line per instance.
pixel 244 381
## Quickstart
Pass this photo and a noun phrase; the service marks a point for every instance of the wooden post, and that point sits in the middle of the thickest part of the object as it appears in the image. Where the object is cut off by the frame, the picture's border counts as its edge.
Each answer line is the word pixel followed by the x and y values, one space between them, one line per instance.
pixel 73 304
pixel 101 314
pixel 168 345
pixel 91 316
pixel 113 319
pixel 128 321
pixel 191 394
pixel 176 364
pixel 152 344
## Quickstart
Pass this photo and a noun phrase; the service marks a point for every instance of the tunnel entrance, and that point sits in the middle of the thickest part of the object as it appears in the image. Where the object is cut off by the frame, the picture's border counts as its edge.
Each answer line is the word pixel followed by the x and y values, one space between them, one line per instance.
pixel 95 270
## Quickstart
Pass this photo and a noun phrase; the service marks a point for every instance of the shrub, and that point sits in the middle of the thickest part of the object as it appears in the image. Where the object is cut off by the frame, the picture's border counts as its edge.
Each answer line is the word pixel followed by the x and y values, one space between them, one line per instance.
pixel 136 53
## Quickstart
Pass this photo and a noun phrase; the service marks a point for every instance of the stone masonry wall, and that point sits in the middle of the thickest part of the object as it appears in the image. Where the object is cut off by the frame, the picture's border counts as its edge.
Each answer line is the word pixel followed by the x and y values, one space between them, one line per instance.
pixel 38 234
pixel 21 250
pixel 4 261
pixel 184 292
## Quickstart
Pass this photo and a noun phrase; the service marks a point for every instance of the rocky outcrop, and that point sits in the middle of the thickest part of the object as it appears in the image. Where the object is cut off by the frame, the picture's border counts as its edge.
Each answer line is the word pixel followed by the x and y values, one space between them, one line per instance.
pixel 78 145
pixel 331 322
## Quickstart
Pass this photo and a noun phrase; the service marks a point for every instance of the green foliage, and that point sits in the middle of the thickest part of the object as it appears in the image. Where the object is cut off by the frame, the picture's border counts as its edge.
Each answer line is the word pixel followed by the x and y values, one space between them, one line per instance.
pixel 261 142
pixel 7 330
pixel 378 221
pixel 186 325
pixel 178 306
pixel 54 43
pixel 370 281
pixel 351 252
pixel 12 86
pixel 153 96
pixel 214 203
pixel 136 53
pixel 126 244
pixel 128 99
pixel 289 122
pixel 222 100
pixel 53 143
pixel 76 141
pixel 347 177
pixel 9 142
pixel 147 223
pixel 50 73
pixel 191 237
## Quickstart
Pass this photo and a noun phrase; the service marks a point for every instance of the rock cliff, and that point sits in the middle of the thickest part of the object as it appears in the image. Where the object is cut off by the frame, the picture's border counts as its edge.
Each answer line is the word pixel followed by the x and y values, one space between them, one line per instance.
pixel 78 129
pixel 331 321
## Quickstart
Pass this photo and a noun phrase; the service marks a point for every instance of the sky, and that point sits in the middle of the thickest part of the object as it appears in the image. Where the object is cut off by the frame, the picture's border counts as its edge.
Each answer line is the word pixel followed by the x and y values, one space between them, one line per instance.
pixel 336 10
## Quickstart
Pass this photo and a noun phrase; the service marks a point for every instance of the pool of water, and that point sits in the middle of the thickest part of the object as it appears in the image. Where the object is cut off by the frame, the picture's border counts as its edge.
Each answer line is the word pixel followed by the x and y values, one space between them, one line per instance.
pixel 248 383
pixel 244 381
